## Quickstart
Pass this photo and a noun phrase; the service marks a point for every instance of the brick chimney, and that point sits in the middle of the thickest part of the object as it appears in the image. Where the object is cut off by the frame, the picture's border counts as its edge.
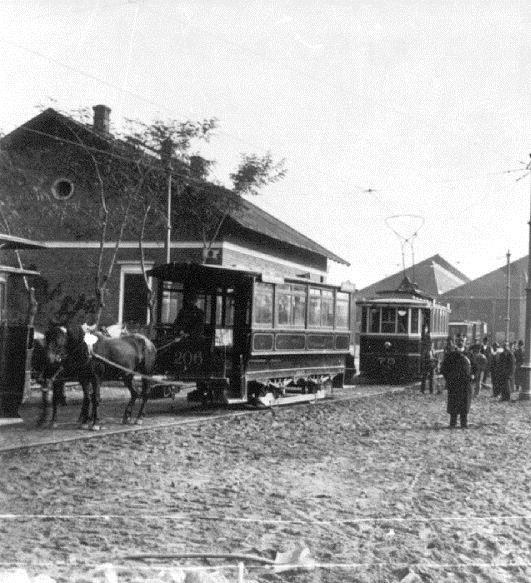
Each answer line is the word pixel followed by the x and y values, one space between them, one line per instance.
pixel 102 122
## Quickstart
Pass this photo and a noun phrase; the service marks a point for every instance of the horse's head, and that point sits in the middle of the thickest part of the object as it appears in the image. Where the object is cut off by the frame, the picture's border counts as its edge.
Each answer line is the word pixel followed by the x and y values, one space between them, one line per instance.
pixel 56 344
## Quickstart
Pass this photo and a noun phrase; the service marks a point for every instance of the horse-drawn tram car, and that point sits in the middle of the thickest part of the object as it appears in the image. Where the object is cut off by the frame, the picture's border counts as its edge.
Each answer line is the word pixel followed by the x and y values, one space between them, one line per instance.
pixel 261 339
pixel 396 326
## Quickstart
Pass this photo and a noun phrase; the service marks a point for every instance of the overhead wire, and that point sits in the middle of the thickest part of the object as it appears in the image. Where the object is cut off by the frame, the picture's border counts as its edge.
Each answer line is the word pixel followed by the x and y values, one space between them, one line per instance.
pixel 141 97
pixel 92 8
pixel 124 90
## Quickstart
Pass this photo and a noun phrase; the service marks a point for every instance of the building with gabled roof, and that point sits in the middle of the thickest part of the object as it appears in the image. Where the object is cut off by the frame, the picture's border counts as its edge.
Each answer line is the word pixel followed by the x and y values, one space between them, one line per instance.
pixel 485 299
pixel 50 155
pixel 434 276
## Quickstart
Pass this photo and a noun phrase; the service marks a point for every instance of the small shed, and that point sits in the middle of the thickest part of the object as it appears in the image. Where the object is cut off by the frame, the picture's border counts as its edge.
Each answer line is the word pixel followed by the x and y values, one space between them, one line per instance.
pixel 16 339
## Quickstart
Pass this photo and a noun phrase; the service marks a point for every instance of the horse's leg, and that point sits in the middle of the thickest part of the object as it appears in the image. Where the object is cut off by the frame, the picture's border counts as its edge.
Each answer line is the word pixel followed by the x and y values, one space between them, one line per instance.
pixel 95 403
pixel 84 415
pixel 128 380
pixel 145 396
pixel 45 398
pixel 57 399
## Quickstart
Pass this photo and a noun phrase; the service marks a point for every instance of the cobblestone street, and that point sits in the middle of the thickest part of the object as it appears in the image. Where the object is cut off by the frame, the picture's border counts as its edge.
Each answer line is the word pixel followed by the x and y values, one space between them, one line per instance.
pixel 377 488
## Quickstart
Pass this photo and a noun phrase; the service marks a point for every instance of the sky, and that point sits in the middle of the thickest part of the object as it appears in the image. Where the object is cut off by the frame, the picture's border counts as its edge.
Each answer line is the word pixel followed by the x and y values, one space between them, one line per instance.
pixel 400 121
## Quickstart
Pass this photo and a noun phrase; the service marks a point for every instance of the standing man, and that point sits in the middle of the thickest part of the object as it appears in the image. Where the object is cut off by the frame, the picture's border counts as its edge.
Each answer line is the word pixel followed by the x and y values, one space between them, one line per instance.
pixel 479 365
pixel 507 369
pixel 495 370
pixel 519 373
pixel 456 372
pixel 428 363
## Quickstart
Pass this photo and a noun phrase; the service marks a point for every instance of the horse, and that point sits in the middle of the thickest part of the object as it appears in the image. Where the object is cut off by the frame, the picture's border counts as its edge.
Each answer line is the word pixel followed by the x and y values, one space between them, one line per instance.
pixel 106 358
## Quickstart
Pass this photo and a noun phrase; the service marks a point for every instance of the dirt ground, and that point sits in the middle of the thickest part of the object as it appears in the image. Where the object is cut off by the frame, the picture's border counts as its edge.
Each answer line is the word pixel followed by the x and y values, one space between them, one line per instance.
pixel 378 490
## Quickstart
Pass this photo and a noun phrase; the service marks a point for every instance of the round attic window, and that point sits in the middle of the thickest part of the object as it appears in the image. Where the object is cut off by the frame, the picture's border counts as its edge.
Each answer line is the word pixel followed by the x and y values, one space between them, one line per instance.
pixel 62 188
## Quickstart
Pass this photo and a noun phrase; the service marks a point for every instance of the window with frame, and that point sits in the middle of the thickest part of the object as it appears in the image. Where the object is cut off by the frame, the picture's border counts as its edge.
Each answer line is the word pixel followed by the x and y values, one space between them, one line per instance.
pixel 321 313
pixel 2 300
pixel 172 301
pixel 224 308
pixel 291 305
pixel 263 304
pixel 342 310
pixel 364 318
pixel 374 320
pixel 388 320
pixel 401 320
pixel 415 320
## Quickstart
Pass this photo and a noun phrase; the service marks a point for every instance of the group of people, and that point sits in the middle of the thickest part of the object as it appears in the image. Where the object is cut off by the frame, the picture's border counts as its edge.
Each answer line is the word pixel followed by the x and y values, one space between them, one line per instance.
pixel 466 369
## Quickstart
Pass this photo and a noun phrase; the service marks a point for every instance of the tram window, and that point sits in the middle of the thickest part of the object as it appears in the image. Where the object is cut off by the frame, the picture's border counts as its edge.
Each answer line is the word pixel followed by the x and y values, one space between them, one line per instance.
pixel 224 308
pixel 2 301
pixel 374 320
pixel 401 321
pixel 314 316
pixel 172 302
pixel 327 308
pixel 388 320
pixel 229 308
pixel 342 310
pixel 263 304
pixel 321 313
pixel 364 314
pixel 414 320
pixel 291 305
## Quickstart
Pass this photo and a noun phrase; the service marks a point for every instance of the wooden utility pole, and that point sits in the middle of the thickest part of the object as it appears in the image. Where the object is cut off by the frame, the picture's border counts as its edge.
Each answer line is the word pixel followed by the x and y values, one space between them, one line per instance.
pixel 525 393
pixel 508 298
pixel 166 153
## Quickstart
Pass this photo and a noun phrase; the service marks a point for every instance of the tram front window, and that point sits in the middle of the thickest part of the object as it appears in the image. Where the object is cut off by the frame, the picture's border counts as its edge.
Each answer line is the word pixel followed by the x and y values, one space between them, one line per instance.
pixel 172 302
pixel 401 321
pixel 415 321
pixel 374 319
pixel 388 320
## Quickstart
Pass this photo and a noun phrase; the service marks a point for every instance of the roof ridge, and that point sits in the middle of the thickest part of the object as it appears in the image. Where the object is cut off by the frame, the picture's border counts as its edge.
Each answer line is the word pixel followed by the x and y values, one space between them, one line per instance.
pixel 285 233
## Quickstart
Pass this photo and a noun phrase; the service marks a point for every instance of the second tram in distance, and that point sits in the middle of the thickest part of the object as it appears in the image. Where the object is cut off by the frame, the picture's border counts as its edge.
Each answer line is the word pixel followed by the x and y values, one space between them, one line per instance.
pixel 395 327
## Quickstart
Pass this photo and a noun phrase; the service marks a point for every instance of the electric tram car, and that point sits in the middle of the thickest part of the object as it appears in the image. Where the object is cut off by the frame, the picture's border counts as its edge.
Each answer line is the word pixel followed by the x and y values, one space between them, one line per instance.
pixel 265 339
pixel 395 327
pixel 472 330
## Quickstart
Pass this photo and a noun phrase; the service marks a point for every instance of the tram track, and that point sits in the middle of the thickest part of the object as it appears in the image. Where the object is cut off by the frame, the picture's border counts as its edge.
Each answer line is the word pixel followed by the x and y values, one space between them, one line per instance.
pixel 24 437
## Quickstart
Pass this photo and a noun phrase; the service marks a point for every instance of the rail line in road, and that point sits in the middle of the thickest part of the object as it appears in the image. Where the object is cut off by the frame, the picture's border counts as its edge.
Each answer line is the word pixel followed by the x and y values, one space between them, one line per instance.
pixel 26 435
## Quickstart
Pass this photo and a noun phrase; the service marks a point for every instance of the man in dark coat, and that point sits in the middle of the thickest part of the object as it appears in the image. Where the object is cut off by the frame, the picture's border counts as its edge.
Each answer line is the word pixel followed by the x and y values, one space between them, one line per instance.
pixel 479 365
pixel 190 321
pixel 519 373
pixel 495 370
pixel 456 371
pixel 507 367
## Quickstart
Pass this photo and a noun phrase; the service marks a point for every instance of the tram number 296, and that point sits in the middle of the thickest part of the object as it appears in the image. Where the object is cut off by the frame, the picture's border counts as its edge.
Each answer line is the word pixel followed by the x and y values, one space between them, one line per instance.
pixel 187 359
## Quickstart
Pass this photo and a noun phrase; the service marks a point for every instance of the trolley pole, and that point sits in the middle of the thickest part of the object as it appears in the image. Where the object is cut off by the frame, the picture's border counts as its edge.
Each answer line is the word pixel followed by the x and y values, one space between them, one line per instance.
pixel 525 393
pixel 508 297
pixel 166 152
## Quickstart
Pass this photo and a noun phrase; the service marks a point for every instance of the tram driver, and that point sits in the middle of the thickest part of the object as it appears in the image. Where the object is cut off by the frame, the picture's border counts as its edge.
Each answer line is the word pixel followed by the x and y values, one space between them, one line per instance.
pixel 190 321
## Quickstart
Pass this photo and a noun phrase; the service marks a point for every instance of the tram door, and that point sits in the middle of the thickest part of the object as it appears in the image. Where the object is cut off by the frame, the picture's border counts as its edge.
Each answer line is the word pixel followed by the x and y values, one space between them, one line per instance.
pixel 230 321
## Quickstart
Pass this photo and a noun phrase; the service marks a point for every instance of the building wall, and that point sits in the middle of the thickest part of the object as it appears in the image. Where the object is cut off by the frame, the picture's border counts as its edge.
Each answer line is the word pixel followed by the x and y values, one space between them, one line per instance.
pixel 287 266
pixel 68 270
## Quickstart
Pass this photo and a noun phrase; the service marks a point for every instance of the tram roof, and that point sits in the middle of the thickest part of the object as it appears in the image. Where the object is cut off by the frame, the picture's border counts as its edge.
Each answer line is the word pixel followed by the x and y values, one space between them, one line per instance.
pixel 11 242
pixel 395 302
pixel 17 270
pixel 218 274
